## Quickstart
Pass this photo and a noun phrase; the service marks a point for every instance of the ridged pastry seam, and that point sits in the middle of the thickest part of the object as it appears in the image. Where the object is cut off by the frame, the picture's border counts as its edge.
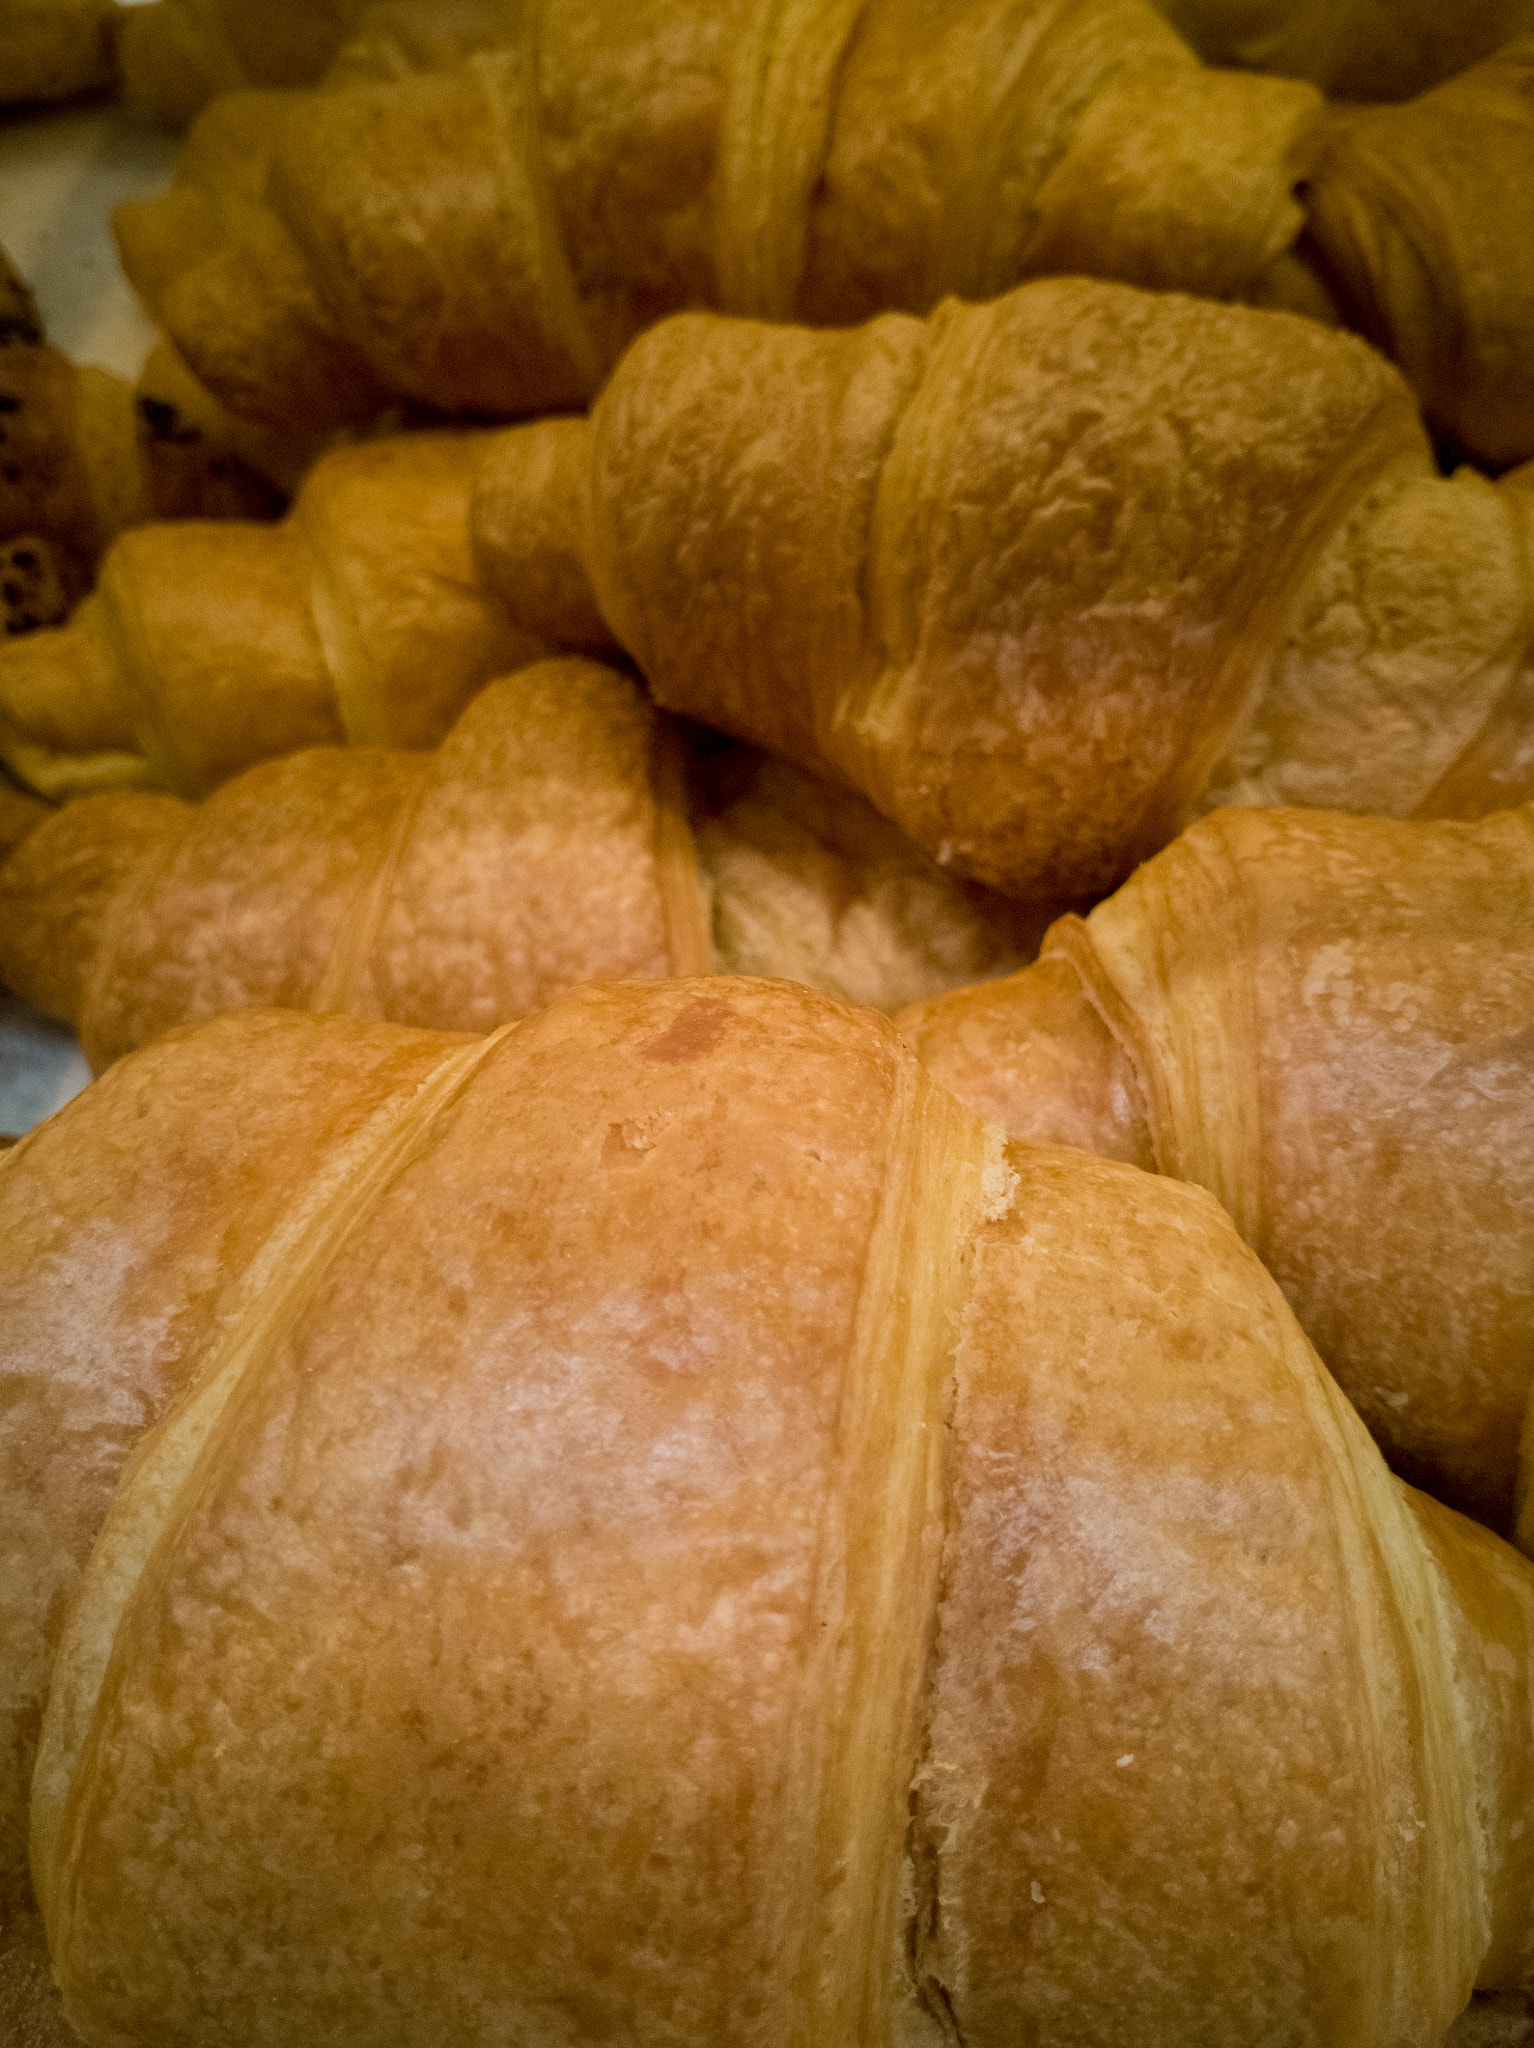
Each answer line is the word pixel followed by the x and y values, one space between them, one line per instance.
pixel 342 986
pixel 339 631
pixel 1245 655
pixel 1453 1923
pixel 686 912
pixel 1199 1085
pixel 1051 49
pixel 866 723
pixel 161 1481
pixel 684 907
pixel 858 1736
pixel 508 77
pixel 774 137
pixel 167 766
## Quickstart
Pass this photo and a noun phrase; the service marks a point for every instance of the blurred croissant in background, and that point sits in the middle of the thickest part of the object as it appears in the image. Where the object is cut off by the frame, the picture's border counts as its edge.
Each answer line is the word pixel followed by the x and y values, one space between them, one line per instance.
pixel 1354 49
pixel 480 219
pixel 207 647
pixel 52 49
pixel 177 53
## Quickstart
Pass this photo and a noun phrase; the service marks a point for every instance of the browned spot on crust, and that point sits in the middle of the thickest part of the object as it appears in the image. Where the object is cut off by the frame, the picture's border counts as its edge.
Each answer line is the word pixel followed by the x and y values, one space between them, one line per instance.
pixel 695 1031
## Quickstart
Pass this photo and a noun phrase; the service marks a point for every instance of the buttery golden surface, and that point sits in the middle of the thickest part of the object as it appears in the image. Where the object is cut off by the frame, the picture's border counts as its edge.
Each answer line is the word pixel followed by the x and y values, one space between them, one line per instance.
pixel 1044 577
pixel 153 1195
pixel 456 890
pixel 480 217
pixel 646 1527
pixel 1329 1022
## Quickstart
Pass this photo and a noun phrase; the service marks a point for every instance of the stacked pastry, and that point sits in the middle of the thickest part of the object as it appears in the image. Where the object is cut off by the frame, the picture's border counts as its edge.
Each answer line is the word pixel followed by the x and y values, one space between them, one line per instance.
pixel 1041 579
pixel 559 1492
pixel 564 832
pixel 323 254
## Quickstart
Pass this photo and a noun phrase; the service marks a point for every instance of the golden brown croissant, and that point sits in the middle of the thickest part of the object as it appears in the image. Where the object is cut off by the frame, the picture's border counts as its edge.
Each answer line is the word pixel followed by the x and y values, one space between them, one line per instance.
pixel 525 1514
pixel 207 647
pixel 82 457
pixel 552 839
pixel 647 1527
pixel 52 49
pixel 487 238
pixel 1329 1023
pixel 1047 578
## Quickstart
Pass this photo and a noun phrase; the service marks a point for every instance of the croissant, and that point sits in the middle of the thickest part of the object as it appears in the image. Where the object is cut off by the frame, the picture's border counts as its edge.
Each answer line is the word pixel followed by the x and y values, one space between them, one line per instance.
pixel 1407 213
pixel 82 457
pixel 1046 579
pixel 648 1526
pixel 1028 662
pixel 206 647
pixel 1329 1023
pixel 556 837
pixel 487 238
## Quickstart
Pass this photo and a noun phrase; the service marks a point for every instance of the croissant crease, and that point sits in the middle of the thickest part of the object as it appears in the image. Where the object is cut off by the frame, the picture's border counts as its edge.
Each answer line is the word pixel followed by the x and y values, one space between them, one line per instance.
pixel 1329 1023
pixel 488 236
pixel 650 1522
pixel 1407 213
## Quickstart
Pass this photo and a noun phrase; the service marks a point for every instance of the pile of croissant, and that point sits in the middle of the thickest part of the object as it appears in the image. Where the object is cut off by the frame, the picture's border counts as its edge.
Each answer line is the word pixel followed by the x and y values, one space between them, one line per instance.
pixel 783 771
